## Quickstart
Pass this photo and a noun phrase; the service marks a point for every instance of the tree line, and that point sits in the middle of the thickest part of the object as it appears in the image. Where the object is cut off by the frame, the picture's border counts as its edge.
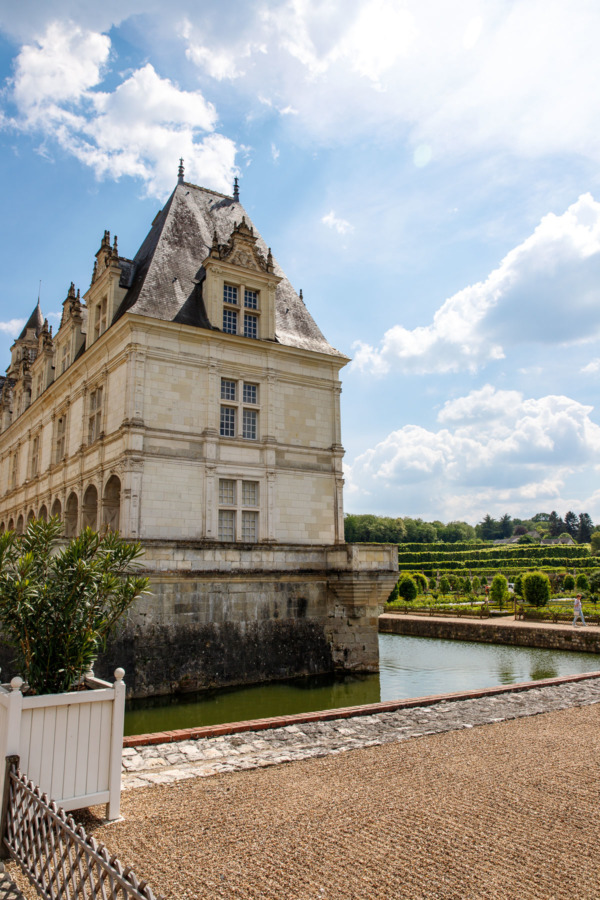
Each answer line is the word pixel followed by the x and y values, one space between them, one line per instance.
pixel 405 530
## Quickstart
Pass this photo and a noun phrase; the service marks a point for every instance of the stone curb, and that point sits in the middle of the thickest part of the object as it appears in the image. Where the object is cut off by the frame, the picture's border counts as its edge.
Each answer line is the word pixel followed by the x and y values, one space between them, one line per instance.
pixel 326 715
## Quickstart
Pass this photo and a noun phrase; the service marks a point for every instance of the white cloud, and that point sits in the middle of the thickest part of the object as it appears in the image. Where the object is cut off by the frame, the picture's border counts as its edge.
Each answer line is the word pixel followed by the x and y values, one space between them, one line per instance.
pixel 592 368
pixel 139 129
pixel 495 448
pixel 274 152
pixel 546 290
pixel 12 327
pixel 342 226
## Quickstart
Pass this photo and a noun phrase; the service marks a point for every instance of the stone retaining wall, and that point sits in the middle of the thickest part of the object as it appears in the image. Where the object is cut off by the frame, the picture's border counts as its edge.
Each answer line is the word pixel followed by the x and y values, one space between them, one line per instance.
pixel 555 637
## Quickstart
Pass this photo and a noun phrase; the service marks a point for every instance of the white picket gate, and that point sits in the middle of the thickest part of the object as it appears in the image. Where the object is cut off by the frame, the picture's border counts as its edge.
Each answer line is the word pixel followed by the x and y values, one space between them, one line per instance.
pixel 69 744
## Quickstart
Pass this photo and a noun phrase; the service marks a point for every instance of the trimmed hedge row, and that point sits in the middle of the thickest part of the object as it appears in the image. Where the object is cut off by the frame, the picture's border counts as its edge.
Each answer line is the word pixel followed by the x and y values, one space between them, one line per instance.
pixel 494 565
pixel 490 554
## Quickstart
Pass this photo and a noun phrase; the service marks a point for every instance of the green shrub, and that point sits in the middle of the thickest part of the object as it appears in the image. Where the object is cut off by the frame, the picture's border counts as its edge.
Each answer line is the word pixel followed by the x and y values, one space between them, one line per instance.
pixel 407 589
pixel 476 584
pixel 536 588
pixel 499 590
pixel 568 583
pixel 432 584
pixel 58 607
pixel 394 594
pixel 444 585
pixel 582 583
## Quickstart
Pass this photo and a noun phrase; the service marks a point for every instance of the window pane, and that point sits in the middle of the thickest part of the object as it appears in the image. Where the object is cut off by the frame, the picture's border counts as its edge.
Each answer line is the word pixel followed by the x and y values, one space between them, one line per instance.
pixel 227 421
pixel 251 299
pixel 250 393
pixel 227 389
pixel 229 321
pixel 249 429
pixel 226 525
pixel 249 493
pixel 230 294
pixel 250 526
pixel 226 492
pixel 250 326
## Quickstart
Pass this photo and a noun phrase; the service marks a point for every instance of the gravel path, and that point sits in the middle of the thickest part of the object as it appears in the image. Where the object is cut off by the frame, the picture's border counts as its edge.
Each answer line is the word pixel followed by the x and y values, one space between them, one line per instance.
pixel 506 810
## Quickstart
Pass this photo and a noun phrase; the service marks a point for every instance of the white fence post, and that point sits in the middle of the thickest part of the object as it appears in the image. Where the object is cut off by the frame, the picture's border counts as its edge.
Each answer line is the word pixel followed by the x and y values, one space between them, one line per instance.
pixel 113 808
pixel 10 735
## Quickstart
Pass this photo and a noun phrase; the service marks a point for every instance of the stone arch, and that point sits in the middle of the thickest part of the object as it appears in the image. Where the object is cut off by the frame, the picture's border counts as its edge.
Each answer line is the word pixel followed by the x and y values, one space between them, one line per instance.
pixel 2 528
pixel 30 516
pixel 57 508
pixel 43 513
pixel 71 512
pixel 111 503
pixel 89 508
pixel 20 524
pixel 11 524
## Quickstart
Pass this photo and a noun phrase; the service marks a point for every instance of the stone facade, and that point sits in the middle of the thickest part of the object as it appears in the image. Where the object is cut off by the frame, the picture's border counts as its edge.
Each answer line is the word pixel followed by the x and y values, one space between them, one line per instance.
pixel 189 400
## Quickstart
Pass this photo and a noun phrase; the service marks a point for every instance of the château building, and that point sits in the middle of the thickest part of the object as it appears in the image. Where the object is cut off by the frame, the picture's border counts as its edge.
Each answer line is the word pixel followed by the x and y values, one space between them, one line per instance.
pixel 189 400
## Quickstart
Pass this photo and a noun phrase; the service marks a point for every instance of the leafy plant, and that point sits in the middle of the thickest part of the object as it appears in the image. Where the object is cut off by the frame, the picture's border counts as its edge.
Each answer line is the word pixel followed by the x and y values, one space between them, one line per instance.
pixel 536 588
pixel 582 583
pixel 444 585
pixel 499 590
pixel 568 583
pixel 407 588
pixel 58 606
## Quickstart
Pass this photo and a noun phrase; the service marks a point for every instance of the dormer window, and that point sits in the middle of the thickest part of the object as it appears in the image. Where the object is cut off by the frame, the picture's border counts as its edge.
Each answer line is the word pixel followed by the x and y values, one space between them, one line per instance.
pixel 100 318
pixel 242 322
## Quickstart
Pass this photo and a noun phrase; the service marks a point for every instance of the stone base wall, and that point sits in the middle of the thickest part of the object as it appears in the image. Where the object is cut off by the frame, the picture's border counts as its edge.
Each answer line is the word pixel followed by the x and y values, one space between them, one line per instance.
pixel 486 632
pixel 223 614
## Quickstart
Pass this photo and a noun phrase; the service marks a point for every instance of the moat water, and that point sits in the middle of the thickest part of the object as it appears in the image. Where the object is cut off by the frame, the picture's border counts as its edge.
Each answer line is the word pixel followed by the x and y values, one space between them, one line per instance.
pixel 410 667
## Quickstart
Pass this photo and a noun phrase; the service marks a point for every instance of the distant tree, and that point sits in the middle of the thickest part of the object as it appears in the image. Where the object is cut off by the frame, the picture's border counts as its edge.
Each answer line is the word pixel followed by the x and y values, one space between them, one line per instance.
pixel 582 583
pixel 419 532
pixel 536 588
pixel 595 542
pixel 572 524
pixel 568 583
pixel 407 588
pixel 586 527
pixel 454 532
pixel 444 585
pixel 505 526
pixel 518 582
pixel 488 529
pixel 519 529
pixel 556 525
pixel 374 529
pixel 540 517
pixel 498 590
pixel 466 585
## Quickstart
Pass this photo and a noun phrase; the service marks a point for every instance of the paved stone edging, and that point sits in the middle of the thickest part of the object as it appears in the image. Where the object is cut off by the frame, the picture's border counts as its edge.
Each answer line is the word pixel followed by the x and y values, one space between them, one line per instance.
pixel 329 733
pixel 546 635
pixel 347 712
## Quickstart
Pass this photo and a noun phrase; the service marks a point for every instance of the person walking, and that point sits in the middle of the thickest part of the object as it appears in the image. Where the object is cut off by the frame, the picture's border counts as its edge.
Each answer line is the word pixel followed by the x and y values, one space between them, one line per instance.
pixel 577 610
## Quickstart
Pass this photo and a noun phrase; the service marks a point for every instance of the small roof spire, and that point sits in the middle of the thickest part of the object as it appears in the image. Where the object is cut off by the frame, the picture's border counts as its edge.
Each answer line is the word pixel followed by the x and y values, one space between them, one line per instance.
pixel 236 189
pixel 180 171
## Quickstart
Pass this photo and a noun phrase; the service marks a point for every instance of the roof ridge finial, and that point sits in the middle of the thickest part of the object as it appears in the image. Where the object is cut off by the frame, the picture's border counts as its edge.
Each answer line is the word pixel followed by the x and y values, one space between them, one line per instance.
pixel 180 171
pixel 300 295
pixel 236 189
pixel 115 248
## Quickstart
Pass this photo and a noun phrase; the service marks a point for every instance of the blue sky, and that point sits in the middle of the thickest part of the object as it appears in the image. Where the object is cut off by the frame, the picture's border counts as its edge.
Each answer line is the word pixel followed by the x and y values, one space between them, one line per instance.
pixel 427 172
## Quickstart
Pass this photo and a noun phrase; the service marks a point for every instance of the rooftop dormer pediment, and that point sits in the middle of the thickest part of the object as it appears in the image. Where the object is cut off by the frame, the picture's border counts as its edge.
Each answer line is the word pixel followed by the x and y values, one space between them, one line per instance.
pixel 241 250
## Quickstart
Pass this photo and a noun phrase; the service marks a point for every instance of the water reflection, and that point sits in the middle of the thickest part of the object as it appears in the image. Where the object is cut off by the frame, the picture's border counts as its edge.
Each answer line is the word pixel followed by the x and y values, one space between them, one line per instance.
pixel 410 667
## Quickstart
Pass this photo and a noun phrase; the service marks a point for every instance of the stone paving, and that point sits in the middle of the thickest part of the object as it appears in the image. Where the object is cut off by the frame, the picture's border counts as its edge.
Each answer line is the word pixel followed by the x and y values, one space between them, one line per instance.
pixel 171 762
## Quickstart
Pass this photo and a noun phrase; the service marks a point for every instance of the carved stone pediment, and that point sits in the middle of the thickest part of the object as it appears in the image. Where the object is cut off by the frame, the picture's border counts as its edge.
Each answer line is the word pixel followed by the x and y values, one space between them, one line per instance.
pixel 241 250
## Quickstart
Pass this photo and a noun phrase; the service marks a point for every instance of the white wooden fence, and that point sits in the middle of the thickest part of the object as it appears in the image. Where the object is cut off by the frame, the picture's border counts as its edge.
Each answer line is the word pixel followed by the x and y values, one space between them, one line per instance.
pixel 69 744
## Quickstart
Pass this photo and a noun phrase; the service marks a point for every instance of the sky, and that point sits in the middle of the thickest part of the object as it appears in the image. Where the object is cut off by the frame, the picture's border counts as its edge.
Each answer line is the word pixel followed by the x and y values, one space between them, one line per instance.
pixel 427 172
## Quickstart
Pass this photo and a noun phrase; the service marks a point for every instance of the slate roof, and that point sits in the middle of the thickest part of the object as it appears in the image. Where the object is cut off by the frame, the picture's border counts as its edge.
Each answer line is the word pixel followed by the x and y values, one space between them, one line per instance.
pixel 167 274
pixel 36 321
